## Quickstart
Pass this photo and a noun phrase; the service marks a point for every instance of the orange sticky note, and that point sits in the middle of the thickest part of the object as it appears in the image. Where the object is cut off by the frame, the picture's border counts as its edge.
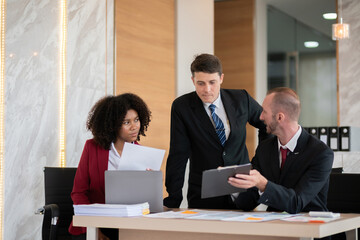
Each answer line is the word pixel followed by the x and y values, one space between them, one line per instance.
pixel 146 211
pixel 254 218
pixel 189 212
pixel 316 221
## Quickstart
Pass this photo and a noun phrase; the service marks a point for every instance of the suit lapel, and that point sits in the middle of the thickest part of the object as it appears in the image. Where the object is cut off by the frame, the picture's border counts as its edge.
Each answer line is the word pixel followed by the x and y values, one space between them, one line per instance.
pixel 103 157
pixel 229 108
pixel 198 109
pixel 275 161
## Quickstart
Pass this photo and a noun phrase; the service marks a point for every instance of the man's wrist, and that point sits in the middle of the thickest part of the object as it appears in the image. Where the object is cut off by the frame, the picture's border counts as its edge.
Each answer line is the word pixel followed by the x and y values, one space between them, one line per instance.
pixel 263 184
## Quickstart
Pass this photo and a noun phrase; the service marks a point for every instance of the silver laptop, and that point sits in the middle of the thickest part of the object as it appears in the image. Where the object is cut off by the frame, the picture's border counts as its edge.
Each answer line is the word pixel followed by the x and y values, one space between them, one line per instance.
pixel 131 187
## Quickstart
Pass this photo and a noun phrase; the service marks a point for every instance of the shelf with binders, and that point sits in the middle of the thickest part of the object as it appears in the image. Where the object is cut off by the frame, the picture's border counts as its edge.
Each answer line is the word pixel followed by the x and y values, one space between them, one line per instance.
pixel 343 138
pixel 345 142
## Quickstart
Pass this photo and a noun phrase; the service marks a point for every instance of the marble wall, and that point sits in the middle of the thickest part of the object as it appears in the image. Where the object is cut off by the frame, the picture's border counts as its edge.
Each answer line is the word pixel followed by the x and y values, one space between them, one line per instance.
pixel 349 71
pixel 89 67
pixel 349 79
pixel 32 96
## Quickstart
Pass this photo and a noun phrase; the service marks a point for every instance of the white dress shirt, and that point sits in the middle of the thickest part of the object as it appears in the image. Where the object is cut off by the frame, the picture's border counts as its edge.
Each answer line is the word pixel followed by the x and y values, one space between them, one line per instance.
pixel 220 111
pixel 291 145
pixel 114 158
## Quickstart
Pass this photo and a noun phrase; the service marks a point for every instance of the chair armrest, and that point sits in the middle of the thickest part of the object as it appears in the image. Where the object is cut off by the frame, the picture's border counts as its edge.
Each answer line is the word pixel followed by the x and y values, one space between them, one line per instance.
pixel 51 215
pixel 40 211
pixel 53 210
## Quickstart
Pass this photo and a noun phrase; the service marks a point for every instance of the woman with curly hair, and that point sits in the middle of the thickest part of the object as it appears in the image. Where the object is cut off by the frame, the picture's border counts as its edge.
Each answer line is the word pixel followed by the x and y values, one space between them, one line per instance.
pixel 113 120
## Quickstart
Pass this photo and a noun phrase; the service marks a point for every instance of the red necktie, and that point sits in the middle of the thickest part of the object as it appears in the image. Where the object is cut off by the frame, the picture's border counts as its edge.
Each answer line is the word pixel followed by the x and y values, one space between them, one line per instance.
pixel 284 152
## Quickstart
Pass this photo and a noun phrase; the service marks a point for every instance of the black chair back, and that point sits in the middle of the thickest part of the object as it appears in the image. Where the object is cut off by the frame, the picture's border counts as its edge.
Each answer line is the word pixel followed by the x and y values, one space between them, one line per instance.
pixel 343 196
pixel 58 186
pixel 344 193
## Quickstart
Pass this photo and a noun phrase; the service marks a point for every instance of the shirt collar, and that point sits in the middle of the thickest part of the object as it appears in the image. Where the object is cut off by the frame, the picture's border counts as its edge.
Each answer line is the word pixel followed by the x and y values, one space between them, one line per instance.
pixel 113 150
pixel 291 145
pixel 217 102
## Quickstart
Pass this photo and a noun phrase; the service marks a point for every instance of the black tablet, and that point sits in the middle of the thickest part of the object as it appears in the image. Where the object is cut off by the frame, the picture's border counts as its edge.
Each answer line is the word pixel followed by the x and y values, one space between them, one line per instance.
pixel 215 181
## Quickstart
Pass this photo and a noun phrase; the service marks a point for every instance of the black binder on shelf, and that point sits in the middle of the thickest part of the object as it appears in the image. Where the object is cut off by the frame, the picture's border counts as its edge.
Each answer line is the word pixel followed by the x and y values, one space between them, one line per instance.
pixel 344 137
pixel 334 138
pixel 349 138
pixel 324 134
pixel 313 131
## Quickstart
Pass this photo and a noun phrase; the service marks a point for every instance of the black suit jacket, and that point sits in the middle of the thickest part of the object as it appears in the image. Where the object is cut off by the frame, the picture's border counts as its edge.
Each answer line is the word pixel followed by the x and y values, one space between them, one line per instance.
pixel 193 137
pixel 301 186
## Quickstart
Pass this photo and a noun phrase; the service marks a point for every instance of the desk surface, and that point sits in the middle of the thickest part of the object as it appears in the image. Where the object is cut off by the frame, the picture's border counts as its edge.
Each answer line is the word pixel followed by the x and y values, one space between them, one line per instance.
pixel 278 228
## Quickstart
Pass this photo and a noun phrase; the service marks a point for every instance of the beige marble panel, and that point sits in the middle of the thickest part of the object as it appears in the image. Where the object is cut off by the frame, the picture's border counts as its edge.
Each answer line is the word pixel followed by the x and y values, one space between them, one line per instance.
pixel 31 122
pixel 349 77
pixel 89 68
pixel 351 162
pixel 32 96
pixel 349 71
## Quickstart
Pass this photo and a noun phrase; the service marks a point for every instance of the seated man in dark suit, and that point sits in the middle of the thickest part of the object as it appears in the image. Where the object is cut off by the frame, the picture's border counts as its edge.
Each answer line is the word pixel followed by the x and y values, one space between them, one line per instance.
pixel 291 169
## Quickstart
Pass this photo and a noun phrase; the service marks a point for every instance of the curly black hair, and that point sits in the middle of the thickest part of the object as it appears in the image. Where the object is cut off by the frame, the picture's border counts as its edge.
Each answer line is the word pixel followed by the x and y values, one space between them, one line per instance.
pixel 107 115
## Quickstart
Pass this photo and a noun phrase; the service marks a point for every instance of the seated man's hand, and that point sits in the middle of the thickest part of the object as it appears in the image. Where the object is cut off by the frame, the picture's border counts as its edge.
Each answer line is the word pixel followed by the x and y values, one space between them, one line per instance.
pixel 254 179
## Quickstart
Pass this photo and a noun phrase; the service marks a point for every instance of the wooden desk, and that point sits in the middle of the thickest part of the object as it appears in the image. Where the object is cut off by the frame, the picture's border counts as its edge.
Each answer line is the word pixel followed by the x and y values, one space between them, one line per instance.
pixel 186 229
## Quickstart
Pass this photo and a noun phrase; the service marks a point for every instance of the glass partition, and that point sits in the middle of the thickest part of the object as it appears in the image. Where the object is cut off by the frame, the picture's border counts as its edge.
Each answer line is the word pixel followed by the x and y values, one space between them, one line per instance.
pixel 309 71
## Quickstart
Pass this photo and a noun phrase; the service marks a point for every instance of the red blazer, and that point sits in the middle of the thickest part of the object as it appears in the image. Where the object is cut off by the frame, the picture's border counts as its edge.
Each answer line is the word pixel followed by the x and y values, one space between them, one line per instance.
pixel 89 182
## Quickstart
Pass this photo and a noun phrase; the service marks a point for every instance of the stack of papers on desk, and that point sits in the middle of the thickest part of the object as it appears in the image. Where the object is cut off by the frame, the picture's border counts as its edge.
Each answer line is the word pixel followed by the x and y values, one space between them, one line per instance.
pixel 112 210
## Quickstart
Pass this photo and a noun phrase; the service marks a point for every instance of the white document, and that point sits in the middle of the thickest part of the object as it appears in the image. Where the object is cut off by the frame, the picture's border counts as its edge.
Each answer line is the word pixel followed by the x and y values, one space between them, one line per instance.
pixel 309 219
pixel 196 214
pixel 137 157
pixel 236 216
pixel 323 214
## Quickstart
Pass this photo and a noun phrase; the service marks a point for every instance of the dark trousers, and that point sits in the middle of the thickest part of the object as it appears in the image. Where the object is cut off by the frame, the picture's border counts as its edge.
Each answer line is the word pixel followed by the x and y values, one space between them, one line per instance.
pixel 79 237
pixel 111 233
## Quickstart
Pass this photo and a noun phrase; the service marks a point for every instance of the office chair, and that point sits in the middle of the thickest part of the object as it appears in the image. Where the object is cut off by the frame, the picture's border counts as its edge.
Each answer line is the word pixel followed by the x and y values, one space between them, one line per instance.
pixel 58 209
pixel 344 195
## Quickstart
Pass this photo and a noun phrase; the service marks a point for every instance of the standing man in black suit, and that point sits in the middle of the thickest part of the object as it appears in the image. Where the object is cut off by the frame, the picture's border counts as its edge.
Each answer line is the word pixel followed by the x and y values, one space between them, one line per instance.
pixel 208 127
pixel 291 169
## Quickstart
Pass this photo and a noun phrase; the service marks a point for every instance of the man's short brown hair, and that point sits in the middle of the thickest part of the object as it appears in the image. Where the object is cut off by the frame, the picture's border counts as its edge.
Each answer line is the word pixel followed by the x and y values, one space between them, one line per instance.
pixel 206 63
pixel 286 100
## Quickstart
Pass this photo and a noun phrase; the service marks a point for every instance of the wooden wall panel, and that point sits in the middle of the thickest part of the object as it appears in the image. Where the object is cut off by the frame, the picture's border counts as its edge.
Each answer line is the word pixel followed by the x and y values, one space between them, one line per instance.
pixel 145 60
pixel 235 46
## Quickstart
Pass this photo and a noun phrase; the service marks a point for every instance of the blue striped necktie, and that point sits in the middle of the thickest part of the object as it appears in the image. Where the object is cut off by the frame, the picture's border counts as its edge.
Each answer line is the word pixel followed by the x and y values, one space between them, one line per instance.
pixel 219 125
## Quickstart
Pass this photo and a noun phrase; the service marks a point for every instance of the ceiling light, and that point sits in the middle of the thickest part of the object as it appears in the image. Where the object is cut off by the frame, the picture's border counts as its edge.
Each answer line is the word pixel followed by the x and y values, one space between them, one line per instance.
pixel 329 16
pixel 340 30
pixel 311 44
